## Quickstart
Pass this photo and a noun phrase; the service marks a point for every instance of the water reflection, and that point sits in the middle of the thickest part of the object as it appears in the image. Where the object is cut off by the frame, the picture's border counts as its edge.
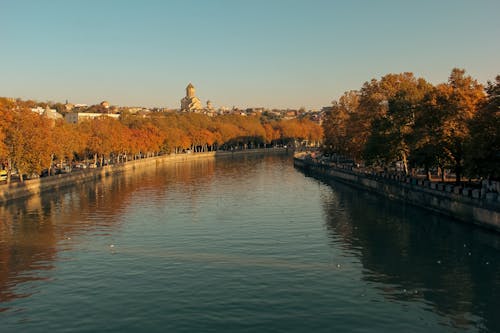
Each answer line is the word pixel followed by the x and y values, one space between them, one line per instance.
pixel 34 230
pixel 185 232
pixel 412 255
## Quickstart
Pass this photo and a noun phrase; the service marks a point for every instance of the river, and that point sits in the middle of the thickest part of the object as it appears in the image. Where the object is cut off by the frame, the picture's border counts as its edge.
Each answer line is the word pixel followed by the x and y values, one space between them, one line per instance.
pixel 240 244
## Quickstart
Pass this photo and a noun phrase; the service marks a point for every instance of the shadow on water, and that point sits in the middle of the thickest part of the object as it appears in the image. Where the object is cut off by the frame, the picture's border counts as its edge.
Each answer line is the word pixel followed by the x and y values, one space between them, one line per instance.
pixel 410 254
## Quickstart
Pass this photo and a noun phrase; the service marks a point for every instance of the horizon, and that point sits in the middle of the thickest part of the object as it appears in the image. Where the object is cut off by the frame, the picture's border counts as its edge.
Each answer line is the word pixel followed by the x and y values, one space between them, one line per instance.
pixel 276 55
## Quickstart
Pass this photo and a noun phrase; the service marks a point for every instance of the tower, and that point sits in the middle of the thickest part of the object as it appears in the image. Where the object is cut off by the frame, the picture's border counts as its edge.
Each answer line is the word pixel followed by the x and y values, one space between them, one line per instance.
pixel 190 91
pixel 191 102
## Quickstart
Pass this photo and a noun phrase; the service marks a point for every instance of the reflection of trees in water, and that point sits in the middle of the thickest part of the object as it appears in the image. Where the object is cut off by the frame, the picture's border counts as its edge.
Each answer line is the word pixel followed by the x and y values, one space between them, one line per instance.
pixel 246 166
pixel 24 247
pixel 31 230
pixel 414 254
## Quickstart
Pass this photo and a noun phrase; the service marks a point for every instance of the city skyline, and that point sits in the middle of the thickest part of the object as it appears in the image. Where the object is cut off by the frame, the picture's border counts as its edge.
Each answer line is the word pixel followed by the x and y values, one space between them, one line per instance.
pixel 276 54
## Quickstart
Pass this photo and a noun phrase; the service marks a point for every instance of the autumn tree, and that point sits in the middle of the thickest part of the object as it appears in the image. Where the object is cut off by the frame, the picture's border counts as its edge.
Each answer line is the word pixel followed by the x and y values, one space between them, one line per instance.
pixel 68 141
pixel 253 130
pixel 29 142
pixel 291 131
pixel 313 132
pixel 148 138
pixel 335 125
pixel 105 136
pixel 6 107
pixel 391 132
pixel 272 133
pixel 465 96
pixel 373 105
pixel 228 132
pixel 483 149
pixel 3 147
pixel 457 102
pixel 177 140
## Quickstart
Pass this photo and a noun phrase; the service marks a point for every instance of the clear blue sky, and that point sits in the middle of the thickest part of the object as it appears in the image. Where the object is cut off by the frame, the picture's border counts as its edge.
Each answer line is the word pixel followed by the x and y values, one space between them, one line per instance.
pixel 272 53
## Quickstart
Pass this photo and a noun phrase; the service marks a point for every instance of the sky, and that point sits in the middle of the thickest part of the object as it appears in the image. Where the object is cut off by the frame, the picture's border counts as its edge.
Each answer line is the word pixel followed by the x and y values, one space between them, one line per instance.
pixel 244 53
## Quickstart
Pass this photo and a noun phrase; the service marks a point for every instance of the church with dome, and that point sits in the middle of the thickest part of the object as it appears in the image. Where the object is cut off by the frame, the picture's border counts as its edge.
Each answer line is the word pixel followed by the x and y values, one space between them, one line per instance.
pixel 191 103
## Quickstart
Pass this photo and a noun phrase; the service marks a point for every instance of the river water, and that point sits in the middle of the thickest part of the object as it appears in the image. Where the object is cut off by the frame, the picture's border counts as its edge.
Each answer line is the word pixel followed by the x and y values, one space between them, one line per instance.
pixel 243 244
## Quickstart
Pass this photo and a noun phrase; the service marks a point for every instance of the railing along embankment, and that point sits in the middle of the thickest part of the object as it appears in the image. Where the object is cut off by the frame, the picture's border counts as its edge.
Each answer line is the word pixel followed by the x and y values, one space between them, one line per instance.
pixel 477 206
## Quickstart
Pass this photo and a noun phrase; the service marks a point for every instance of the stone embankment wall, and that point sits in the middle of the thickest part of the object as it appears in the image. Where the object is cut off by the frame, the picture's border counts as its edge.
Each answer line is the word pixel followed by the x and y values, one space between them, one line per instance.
pixel 37 186
pixel 465 204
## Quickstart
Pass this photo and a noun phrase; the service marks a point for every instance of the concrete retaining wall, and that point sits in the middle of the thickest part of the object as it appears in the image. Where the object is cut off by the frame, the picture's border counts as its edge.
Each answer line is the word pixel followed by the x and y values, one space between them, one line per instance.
pixel 445 199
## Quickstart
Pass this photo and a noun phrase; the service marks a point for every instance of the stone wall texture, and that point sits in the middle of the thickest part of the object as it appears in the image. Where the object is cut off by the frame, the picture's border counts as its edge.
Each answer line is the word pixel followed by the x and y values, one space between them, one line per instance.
pixel 467 205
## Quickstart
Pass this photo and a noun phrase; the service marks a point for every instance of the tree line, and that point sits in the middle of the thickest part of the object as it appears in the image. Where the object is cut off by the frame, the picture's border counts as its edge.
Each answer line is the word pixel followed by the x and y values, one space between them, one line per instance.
pixel 406 120
pixel 31 143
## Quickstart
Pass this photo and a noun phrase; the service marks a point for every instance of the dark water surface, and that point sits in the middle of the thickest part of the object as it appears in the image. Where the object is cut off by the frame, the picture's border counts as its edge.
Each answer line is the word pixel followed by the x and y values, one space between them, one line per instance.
pixel 243 244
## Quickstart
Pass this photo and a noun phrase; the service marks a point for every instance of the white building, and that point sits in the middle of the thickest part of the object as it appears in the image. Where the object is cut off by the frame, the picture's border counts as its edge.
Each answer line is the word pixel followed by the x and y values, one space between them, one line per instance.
pixel 47 112
pixel 75 117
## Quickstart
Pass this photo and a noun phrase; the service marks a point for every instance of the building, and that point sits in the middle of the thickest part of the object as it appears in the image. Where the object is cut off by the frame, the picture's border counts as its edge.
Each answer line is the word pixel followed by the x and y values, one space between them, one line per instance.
pixel 191 103
pixel 47 112
pixel 38 110
pixel 210 106
pixel 69 106
pixel 51 114
pixel 75 117
pixel 290 114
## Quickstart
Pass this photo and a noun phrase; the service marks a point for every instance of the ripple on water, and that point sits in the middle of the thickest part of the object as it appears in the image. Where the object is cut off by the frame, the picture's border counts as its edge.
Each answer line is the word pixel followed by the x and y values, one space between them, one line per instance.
pixel 240 245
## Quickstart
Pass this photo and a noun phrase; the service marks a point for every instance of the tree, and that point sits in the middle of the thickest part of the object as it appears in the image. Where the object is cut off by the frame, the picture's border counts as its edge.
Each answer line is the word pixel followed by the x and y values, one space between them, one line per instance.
pixel 313 132
pixel 3 147
pixel 390 137
pixel 442 122
pixel 483 149
pixel 374 99
pixel 105 136
pixel 68 140
pixel 178 139
pixel 255 133
pixel 6 114
pixel 29 142
pixel 150 138
pixel 428 133
pixel 228 132
pixel 459 99
pixel 335 126
pixel 272 134
pixel 465 95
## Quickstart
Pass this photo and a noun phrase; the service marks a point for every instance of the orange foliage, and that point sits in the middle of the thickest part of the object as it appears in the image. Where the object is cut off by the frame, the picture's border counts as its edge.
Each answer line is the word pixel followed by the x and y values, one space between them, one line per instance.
pixel 31 143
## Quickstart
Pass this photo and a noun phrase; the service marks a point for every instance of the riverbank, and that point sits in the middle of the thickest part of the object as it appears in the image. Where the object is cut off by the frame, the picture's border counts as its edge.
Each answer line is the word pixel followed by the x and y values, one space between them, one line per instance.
pixel 460 203
pixel 18 190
